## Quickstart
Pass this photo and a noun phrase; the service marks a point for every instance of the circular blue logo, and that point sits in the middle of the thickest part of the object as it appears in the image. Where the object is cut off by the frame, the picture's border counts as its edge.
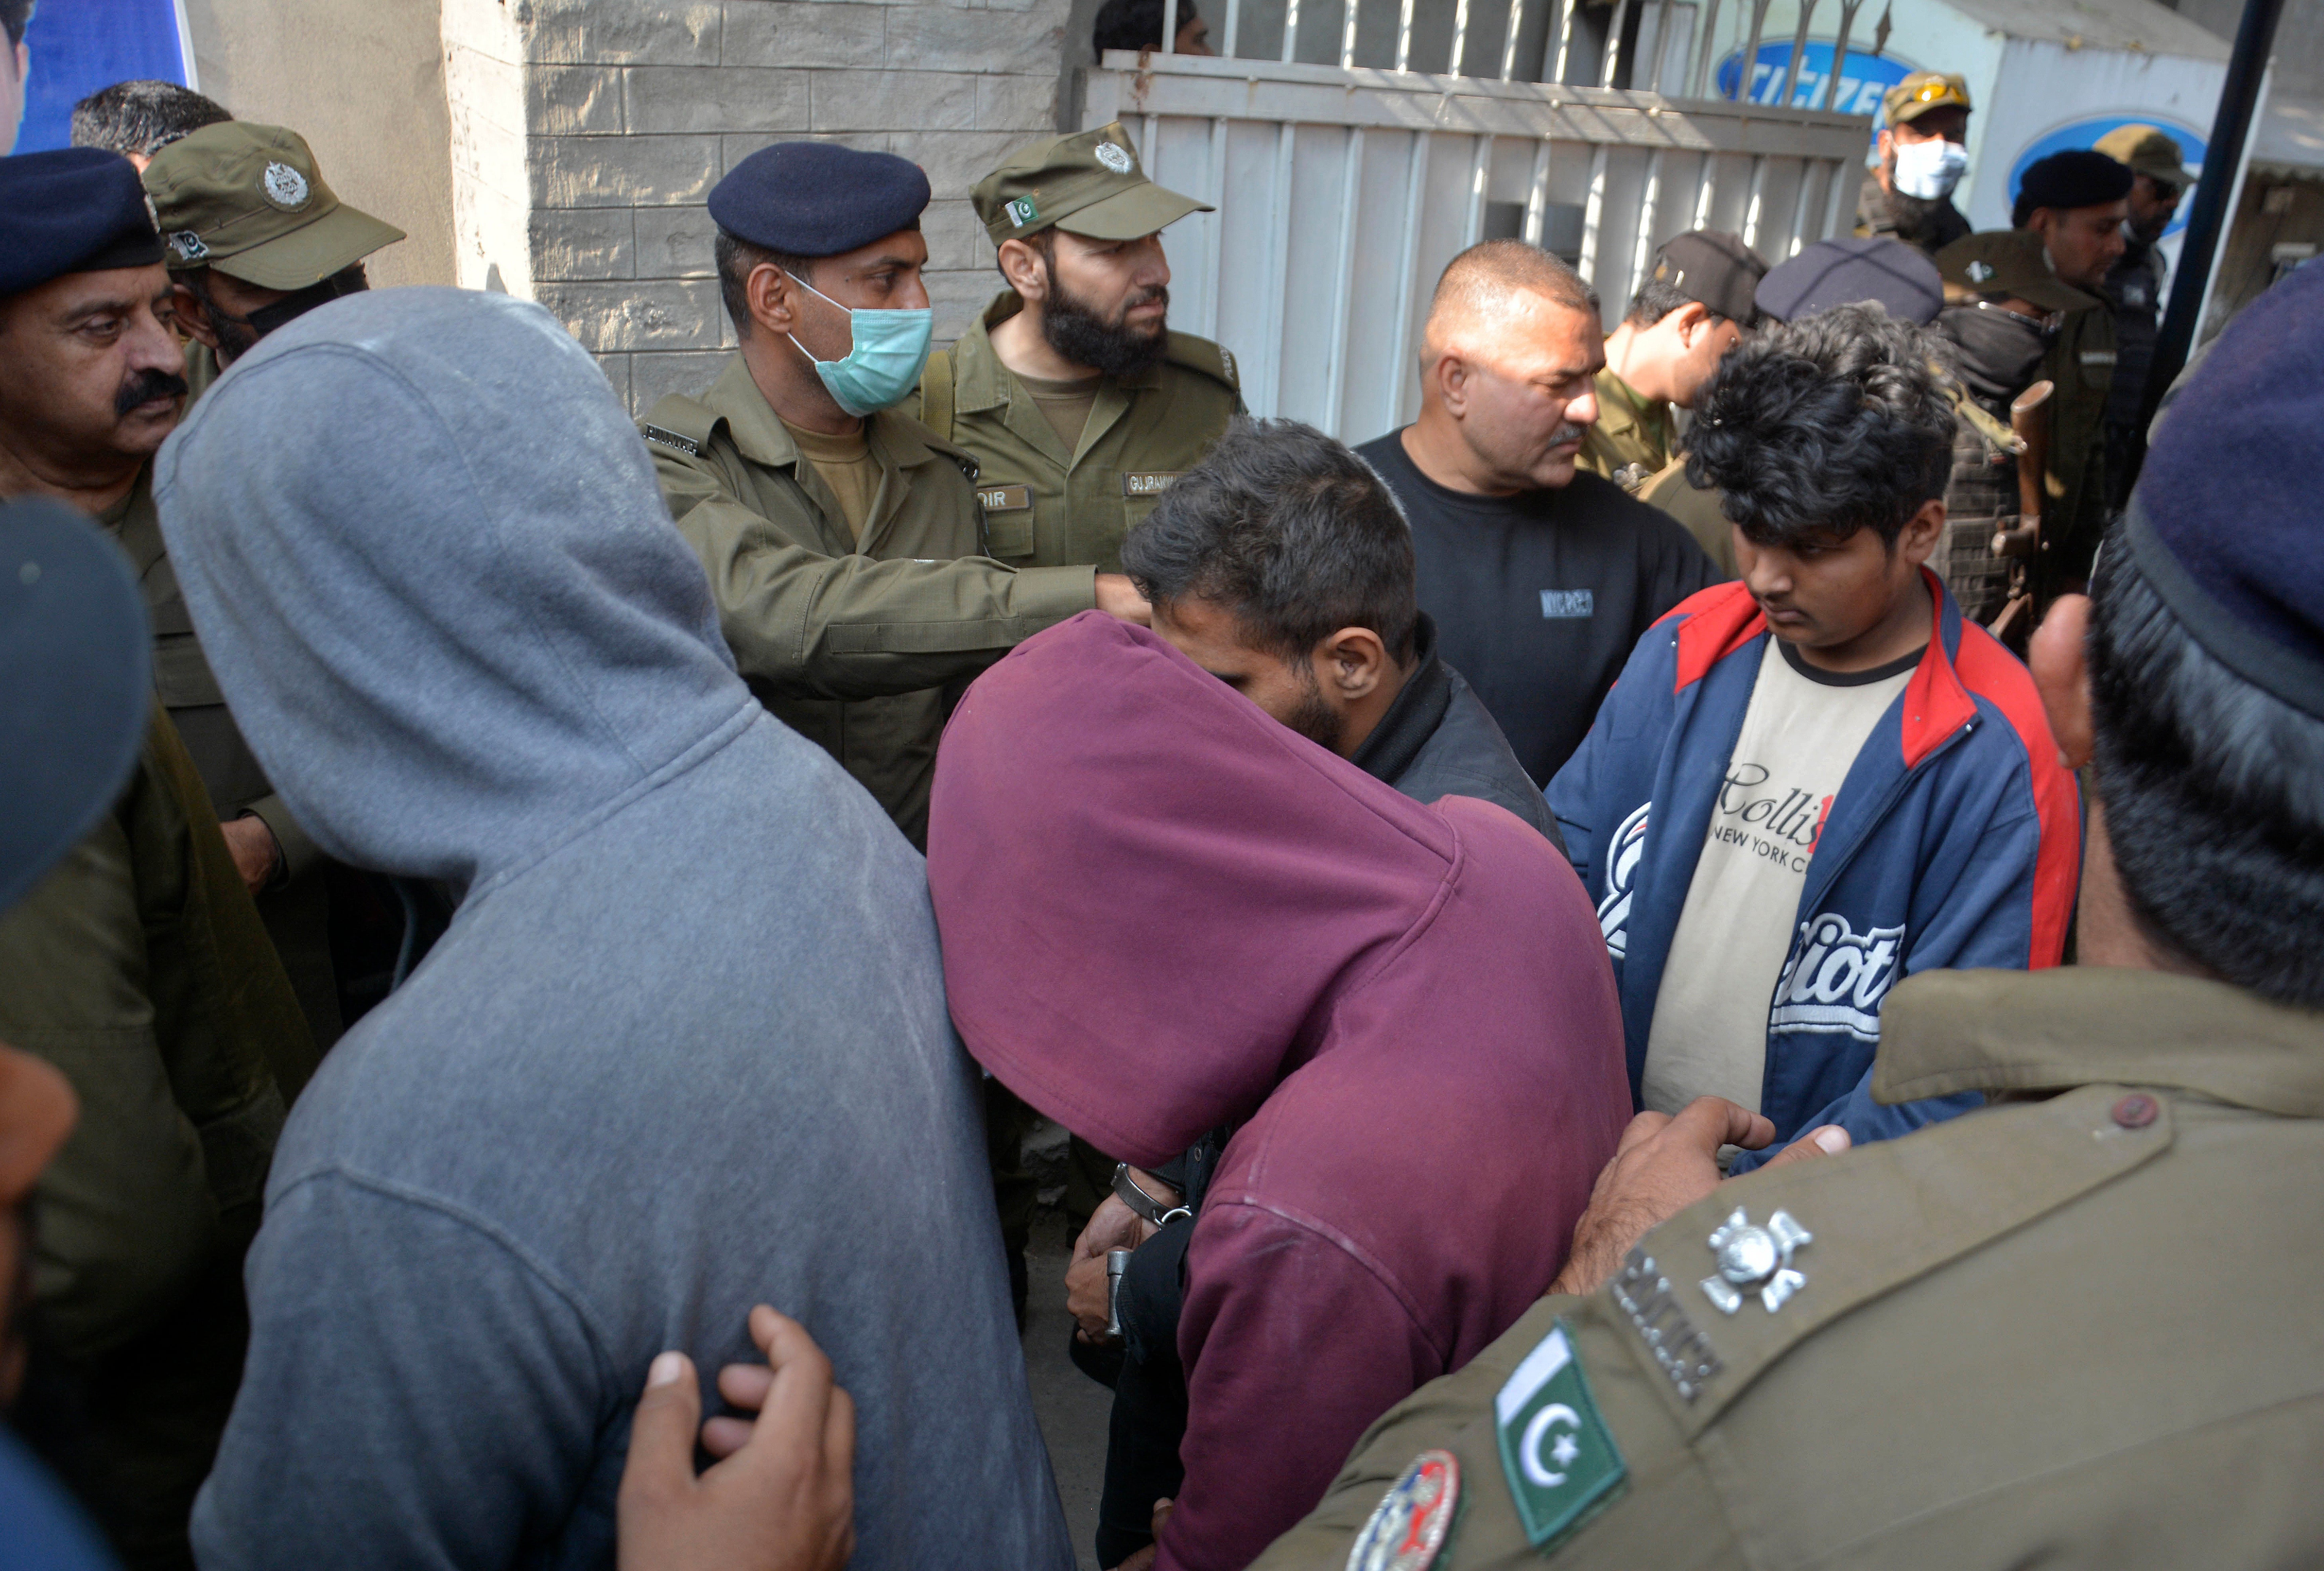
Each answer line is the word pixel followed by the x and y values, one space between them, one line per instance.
pixel 1863 77
pixel 2084 133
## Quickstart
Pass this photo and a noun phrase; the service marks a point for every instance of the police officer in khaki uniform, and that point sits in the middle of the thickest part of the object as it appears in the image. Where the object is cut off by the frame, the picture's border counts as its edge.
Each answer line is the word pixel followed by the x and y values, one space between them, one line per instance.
pixel 1923 148
pixel 849 557
pixel 256 238
pixel 1076 401
pixel 1690 310
pixel 2074 1328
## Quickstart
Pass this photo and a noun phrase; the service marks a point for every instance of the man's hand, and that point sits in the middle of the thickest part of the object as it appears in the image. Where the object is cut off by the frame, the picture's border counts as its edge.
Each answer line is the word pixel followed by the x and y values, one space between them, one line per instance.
pixel 257 856
pixel 1143 1559
pixel 1113 1225
pixel 783 1498
pixel 1118 597
pixel 1664 1164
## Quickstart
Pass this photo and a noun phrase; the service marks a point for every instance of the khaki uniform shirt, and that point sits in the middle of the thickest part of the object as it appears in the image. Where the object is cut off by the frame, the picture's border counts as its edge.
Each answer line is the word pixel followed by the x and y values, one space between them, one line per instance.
pixel 863 649
pixel 139 968
pixel 2082 362
pixel 296 907
pixel 1630 441
pixel 1697 509
pixel 1050 504
pixel 2076 1328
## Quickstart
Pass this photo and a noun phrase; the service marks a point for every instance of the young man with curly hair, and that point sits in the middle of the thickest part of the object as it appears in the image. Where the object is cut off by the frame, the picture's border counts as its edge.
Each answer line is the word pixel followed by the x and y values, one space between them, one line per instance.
pixel 1818 779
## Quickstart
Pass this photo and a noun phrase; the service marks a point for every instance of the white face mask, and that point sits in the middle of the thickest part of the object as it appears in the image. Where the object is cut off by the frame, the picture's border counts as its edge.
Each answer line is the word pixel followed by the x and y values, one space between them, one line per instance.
pixel 1930 169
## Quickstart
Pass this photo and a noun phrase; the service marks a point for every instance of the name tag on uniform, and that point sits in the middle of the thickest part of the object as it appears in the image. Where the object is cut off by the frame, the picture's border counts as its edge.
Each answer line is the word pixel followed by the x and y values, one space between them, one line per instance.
pixel 669 439
pixel 2098 356
pixel 1005 498
pixel 1567 605
pixel 1152 483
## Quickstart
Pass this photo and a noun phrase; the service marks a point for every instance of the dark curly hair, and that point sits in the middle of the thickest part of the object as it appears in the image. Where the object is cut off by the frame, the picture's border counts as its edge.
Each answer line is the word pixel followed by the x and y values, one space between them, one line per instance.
pixel 1837 422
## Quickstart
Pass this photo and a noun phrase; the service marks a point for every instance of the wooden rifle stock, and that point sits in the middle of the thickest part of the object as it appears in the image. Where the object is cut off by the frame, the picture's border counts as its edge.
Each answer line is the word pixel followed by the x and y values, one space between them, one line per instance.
pixel 2029 422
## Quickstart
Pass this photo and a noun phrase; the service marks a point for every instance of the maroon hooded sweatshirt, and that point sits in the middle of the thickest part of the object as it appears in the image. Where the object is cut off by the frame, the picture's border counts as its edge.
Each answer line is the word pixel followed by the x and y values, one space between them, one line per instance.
pixel 1163 911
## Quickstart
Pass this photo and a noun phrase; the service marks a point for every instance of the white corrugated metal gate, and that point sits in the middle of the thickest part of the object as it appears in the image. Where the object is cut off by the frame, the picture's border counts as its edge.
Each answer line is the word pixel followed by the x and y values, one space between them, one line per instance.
pixel 1342 190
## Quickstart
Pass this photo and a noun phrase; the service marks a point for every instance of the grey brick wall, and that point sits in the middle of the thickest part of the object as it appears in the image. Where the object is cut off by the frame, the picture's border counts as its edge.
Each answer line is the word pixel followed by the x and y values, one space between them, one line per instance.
pixel 633 109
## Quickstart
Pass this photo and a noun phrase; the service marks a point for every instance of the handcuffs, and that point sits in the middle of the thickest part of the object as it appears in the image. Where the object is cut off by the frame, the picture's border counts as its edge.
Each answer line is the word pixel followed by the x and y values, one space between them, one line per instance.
pixel 1148 1208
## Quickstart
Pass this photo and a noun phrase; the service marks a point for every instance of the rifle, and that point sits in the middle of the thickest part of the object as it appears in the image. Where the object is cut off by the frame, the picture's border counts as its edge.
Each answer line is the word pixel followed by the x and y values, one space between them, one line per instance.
pixel 2021 547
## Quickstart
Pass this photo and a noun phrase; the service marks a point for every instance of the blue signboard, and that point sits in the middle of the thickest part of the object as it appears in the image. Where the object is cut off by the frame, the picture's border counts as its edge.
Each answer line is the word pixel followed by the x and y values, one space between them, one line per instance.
pixel 78 46
pixel 2085 132
pixel 1863 77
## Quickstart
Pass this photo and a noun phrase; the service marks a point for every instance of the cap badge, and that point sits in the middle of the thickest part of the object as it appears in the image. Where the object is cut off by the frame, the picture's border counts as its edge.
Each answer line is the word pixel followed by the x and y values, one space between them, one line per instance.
pixel 1978 271
pixel 1410 1525
pixel 285 187
pixel 1753 1257
pixel 1114 157
pixel 188 245
pixel 1023 213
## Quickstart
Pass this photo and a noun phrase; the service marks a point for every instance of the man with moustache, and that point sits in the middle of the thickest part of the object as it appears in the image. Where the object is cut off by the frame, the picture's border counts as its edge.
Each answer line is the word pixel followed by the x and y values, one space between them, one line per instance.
pixel 91 381
pixel 1077 401
pixel 1539 578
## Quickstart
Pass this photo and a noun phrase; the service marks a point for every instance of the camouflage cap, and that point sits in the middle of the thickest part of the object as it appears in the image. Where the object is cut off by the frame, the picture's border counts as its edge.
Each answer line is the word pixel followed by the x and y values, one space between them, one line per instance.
pixel 1920 92
pixel 2000 263
pixel 1088 183
pixel 248 201
pixel 2149 151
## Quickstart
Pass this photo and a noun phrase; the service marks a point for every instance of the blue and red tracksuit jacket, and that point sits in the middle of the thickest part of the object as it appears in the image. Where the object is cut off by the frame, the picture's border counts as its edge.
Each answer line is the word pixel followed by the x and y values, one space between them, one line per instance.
pixel 1954 843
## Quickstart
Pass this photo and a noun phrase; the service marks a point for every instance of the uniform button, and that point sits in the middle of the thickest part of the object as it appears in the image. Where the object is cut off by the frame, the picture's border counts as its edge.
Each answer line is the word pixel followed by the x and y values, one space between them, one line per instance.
pixel 2135 1112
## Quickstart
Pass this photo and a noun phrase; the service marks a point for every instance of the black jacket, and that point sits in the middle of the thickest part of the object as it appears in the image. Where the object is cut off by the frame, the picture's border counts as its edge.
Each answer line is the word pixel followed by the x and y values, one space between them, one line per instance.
pixel 1437 740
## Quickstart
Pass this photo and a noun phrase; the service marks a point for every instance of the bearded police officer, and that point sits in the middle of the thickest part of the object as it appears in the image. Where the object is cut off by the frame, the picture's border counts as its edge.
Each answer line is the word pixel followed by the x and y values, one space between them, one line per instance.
pixel 1076 401
pixel 843 539
pixel 2075 1327
pixel 1923 148
pixel 1693 307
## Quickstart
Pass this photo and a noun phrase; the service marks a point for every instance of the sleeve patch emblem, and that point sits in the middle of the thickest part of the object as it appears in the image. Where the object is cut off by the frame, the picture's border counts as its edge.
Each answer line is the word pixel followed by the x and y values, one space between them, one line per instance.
pixel 1561 1461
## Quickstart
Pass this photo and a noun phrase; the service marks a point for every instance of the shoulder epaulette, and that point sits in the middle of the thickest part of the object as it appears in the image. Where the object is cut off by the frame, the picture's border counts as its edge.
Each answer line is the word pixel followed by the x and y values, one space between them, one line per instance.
pixel 1714 1298
pixel 1202 355
pixel 682 423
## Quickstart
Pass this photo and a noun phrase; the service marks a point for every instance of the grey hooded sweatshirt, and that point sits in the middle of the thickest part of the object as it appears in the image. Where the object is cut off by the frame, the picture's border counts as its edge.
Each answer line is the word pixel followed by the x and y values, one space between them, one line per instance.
pixel 684 1049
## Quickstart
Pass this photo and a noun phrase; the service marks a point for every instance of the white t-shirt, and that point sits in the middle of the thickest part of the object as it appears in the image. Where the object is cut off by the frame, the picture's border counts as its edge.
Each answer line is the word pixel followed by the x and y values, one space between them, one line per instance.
pixel 1800 738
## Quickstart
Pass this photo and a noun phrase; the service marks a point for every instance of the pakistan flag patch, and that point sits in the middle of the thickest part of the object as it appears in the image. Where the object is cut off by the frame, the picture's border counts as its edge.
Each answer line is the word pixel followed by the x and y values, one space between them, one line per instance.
pixel 1561 1463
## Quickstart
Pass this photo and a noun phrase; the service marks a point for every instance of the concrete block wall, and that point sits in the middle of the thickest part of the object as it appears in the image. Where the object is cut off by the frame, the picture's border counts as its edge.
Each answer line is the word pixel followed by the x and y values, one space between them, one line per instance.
pixel 633 109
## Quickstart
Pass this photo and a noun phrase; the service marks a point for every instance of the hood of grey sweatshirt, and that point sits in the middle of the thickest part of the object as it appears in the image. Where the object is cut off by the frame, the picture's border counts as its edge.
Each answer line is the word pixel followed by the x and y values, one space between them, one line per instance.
pixel 684 1049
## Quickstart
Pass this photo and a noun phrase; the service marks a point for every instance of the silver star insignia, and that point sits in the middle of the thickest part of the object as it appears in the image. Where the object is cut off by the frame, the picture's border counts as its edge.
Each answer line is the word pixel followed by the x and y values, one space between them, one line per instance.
pixel 1750 1257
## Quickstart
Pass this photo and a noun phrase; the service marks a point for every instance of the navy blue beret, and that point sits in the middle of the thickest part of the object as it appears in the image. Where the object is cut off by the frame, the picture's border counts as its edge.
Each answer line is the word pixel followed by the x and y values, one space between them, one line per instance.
pixel 79 210
pixel 2227 516
pixel 1852 271
pixel 817 198
pixel 2078 176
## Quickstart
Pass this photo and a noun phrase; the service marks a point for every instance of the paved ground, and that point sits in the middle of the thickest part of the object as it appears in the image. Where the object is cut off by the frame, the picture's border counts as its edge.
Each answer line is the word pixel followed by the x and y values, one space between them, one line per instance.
pixel 1072 1407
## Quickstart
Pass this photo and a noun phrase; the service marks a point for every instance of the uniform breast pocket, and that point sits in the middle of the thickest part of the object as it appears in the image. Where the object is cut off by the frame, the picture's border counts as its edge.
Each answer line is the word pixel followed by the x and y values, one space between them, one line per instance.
pixel 1141 489
pixel 1008 519
pixel 2097 367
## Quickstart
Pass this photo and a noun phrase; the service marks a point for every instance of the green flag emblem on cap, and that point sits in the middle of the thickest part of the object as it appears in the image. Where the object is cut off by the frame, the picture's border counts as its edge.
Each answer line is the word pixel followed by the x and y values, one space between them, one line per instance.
pixel 1022 212
pixel 1561 1463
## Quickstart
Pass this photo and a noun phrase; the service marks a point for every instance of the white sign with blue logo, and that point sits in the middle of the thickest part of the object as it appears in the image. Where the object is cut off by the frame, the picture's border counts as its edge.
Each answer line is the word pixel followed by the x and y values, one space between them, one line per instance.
pixel 1863 77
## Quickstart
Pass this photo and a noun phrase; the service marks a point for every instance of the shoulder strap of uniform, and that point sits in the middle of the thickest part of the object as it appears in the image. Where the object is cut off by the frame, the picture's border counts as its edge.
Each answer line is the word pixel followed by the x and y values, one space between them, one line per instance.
pixel 682 423
pixel 1714 1298
pixel 936 394
pixel 1201 354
